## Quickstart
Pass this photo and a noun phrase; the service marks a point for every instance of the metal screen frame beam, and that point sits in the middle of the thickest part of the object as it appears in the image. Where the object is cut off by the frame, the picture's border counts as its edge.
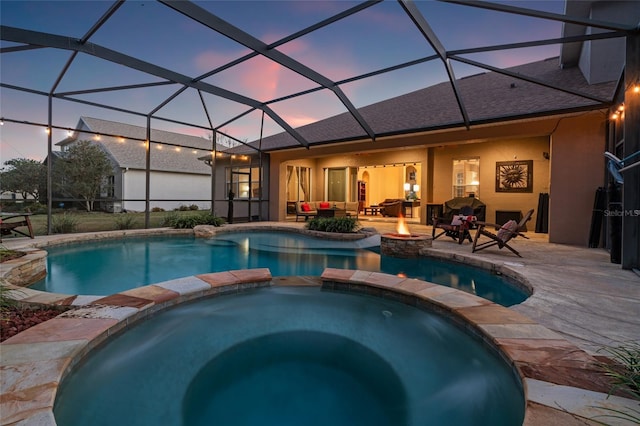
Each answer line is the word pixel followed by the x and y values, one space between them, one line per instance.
pixel 428 33
pixel 221 26
pixel 68 43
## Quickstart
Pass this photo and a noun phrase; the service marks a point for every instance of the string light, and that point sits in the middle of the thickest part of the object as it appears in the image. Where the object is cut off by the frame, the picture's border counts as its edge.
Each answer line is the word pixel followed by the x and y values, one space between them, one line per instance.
pixel 120 139
pixel 636 88
pixel 618 113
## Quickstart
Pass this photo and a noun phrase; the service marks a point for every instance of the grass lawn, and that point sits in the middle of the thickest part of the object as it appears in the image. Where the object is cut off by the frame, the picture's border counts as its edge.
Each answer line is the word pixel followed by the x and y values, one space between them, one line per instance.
pixel 100 221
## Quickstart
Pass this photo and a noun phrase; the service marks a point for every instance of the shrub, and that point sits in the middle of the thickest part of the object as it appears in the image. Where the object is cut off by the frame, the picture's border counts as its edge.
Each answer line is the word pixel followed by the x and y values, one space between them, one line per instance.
pixel 6 301
pixel 175 220
pixel 8 254
pixel 194 207
pixel 182 208
pixel 64 223
pixel 37 208
pixel 207 218
pixel 624 373
pixel 157 209
pixel 125 221
pixel 170 219
pixel 333 224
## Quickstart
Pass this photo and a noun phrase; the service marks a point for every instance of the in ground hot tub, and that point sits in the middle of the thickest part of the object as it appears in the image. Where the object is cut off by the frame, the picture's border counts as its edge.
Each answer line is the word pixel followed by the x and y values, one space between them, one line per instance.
pixel 292 355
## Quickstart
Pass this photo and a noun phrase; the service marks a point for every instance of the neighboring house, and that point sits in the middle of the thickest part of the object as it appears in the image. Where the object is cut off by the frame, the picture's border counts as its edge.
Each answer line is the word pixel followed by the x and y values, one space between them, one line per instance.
pixel 15 197
pixel 177 177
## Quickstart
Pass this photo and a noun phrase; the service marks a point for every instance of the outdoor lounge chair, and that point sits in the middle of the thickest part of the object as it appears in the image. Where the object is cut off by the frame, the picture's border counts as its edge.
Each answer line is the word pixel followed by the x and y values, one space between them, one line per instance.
pixel 505 234
pixel 9 223
pixel 457 228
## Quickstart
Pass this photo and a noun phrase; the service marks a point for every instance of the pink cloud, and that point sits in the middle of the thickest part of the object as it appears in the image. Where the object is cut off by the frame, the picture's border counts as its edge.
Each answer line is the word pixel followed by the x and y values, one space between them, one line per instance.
pixel 210 59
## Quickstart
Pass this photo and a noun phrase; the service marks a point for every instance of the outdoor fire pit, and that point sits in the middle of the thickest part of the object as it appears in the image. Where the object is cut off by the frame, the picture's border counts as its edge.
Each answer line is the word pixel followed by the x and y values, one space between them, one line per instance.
pixel 403 243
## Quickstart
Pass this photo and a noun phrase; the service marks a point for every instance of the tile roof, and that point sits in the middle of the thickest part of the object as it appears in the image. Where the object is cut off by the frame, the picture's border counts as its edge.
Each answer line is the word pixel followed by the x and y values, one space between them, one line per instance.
pixel 131 153
pixel 486 97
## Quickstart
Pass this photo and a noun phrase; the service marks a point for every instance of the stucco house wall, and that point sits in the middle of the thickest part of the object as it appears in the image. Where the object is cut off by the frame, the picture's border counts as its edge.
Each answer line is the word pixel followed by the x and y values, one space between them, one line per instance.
pixel 575 143
pixel 489 153
pixel 577 170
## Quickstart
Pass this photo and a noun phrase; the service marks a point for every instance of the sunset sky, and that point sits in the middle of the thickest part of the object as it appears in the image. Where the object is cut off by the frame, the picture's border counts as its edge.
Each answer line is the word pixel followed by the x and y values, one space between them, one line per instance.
pixel 378 37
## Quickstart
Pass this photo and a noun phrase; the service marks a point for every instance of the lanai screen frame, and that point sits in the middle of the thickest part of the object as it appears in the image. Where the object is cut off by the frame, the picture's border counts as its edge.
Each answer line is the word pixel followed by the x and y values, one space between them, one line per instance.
pixel 630 76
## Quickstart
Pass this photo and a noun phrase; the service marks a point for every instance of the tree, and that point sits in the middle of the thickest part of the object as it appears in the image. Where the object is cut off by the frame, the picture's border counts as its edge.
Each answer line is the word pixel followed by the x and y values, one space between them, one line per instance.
pixel 23 176
pixel 81 172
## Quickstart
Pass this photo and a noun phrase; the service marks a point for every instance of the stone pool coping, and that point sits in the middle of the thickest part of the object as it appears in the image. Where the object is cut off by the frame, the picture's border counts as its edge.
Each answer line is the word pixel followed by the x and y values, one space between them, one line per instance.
pixel 561 382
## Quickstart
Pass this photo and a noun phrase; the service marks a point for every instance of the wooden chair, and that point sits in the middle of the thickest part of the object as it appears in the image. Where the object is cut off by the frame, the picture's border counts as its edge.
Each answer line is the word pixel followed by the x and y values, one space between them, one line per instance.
pixel 456 228
pixel 10 221
pixel 505 234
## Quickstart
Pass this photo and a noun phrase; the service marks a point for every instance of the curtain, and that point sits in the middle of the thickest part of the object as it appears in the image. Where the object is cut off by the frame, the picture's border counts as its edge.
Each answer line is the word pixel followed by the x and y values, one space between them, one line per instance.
pixel 289 176
pixel 303 183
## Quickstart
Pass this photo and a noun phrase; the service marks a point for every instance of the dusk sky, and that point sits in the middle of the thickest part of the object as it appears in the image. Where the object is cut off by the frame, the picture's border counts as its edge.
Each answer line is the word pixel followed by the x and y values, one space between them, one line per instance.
pixel 378 37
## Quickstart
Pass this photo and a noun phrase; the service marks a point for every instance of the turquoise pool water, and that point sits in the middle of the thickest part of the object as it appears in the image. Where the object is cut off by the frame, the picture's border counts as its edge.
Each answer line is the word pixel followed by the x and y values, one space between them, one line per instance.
pixel 108 267
pixel 292 356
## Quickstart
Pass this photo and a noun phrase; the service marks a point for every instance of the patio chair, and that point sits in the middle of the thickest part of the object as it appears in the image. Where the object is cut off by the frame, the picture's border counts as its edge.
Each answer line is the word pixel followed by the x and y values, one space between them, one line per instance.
pixel 505 234
pixel 391 207
pixel 306 210
pixel 457 228
pixel 10 221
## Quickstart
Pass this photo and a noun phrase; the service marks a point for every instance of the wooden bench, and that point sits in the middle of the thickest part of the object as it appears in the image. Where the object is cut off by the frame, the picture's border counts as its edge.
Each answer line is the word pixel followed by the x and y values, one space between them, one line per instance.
pixel 10 221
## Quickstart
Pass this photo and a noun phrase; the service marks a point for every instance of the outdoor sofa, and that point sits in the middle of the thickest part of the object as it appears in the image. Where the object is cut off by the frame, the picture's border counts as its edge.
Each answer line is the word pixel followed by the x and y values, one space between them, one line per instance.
pixel 313 206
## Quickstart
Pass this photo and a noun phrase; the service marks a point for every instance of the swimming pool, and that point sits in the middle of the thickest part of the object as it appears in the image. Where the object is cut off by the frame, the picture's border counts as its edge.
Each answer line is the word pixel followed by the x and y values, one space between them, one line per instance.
pixel 110 266
pixel 292 355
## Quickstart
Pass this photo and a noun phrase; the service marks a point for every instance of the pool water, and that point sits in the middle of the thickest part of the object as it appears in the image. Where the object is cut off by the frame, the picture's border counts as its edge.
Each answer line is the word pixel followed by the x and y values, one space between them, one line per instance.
pixel 292 356
pixel 111 266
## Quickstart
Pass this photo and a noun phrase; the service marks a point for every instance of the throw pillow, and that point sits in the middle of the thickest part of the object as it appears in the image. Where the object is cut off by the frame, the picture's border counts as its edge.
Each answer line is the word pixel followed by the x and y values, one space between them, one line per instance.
pixel 306 207
pixel 506 231
pixel 325 205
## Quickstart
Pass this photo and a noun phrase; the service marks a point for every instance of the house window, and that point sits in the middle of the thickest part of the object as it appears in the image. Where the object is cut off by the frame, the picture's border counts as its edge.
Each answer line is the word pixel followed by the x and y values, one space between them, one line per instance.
pixel 466 177
pixel 244 182
pixel 336 184
pixel 108 188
